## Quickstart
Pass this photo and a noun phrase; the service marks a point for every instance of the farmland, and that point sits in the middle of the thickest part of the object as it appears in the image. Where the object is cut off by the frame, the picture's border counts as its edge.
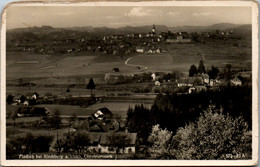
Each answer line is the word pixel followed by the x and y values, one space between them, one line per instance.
pixel 63 69
pixel 108 85
pixel 117 108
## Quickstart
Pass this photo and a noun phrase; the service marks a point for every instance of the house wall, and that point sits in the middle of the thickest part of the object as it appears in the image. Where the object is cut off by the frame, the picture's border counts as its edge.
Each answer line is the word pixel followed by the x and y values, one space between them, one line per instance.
pixel 171 40
pixel 184 84
pixel 179 40
pixel 186 40
pixel 105 149
pixel 140 50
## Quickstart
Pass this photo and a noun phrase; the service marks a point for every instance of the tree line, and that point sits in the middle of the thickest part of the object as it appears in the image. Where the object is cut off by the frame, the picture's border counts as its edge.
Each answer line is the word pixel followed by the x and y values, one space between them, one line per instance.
pixel 174 111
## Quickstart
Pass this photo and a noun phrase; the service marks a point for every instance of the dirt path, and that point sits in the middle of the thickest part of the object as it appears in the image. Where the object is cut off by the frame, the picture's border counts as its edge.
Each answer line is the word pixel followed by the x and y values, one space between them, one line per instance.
pixel 135 65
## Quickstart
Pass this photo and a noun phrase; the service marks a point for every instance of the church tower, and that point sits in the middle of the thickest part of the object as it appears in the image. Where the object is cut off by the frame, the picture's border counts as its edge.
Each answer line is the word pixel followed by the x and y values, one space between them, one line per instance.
pixel 153 30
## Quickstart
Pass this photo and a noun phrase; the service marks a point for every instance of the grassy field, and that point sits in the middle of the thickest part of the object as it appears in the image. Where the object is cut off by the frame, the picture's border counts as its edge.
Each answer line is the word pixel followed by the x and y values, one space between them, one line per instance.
pixel 24 120
pixel 68 109
pixel 182 56
pixel 22 132
pixel 66 68
pixel 11 108
pixel 118 108
pixel 63 70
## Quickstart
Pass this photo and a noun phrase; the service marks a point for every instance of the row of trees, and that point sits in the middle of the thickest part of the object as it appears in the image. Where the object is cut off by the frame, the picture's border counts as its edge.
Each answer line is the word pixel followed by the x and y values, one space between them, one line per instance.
pixel 78 142
pixel 213 72
pixel 175 111
pixel 27 145
pixel 193 69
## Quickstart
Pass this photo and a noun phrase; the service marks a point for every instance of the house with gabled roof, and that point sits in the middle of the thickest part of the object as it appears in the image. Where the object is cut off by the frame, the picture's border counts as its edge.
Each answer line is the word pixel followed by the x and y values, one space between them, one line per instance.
pixel 105 145
pixel 102 113
pixel 236 81
pixel 100 142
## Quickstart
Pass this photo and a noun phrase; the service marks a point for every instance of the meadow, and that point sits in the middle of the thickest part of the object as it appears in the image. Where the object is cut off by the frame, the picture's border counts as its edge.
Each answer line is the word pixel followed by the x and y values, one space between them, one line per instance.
pixel 64 69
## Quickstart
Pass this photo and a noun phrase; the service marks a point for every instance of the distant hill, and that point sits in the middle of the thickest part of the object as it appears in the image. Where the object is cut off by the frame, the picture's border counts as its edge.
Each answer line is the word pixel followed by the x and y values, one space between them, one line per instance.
pixel 237 28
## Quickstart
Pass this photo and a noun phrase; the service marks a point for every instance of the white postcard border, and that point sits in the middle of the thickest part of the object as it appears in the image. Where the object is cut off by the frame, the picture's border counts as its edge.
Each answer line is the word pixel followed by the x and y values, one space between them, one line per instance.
pixel 255 63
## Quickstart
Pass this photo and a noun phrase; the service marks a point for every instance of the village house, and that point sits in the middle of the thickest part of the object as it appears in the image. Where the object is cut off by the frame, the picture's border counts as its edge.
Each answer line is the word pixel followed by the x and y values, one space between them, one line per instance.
pixel 197 88
pixel 205 78
pixel 106 147
pixel 102 114
pixel 139 50
pixel 157 75
pixel 110 125
pixel 115 69
pixel 102 142
pixel 190 81
pixel 200 88
pixel 245 79
pixel 181 37
pixel 157 83
pixel 211 82
pixel 17 99
pixel 185 82
pixel 26 103
pixel 191 90
pixel 236 82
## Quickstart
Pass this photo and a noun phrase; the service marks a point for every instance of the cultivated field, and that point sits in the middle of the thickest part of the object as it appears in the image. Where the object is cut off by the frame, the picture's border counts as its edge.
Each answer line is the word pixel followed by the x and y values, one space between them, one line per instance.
pixel 182 56
pixel 65 69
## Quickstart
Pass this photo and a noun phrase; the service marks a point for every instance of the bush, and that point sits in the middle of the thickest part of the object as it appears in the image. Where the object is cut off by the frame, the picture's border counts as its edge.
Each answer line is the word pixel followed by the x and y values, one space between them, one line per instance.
pixel 213 136
pixel 27 145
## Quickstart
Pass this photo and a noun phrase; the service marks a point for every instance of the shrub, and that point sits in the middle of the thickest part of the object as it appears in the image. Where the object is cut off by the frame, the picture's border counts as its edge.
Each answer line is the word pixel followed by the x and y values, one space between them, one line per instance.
pixel 213 136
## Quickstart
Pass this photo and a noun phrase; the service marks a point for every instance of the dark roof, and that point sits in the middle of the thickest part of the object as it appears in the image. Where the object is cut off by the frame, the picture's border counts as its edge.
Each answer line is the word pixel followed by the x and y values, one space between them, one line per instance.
pixel 102 137
pixel 244 79
pixel 130 136
pixel 190 80
pixel 105 111
pixel 200 88
pixel 205 76
pixel 95 128
pixel 94 137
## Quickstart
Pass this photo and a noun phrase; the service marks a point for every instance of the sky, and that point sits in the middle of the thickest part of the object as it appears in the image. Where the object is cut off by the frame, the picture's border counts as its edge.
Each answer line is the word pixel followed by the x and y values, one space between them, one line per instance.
pixel 112 16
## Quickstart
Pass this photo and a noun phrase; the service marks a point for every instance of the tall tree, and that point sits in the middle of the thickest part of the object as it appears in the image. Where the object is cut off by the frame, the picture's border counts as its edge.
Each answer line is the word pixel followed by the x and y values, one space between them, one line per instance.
pixel 227 72
pixel 160 140
pixel 119 142
pixel 213 136
pixel 22 99
pixel 91 85
pixel 54 119
pixel 201 68
pixel 71 120
pixel 193 70
pixel 213 72
pixel 139 121
pixel 14 115
pixel 80 140
pixel 9 99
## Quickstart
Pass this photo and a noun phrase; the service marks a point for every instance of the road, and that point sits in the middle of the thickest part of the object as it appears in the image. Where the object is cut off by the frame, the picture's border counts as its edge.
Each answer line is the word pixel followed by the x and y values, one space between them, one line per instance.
pixel 135 65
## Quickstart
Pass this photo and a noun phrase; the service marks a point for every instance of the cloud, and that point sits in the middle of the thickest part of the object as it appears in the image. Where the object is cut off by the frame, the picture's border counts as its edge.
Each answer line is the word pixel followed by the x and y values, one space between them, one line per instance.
pixel 138 11
pixel 196 14
pixel 173 13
